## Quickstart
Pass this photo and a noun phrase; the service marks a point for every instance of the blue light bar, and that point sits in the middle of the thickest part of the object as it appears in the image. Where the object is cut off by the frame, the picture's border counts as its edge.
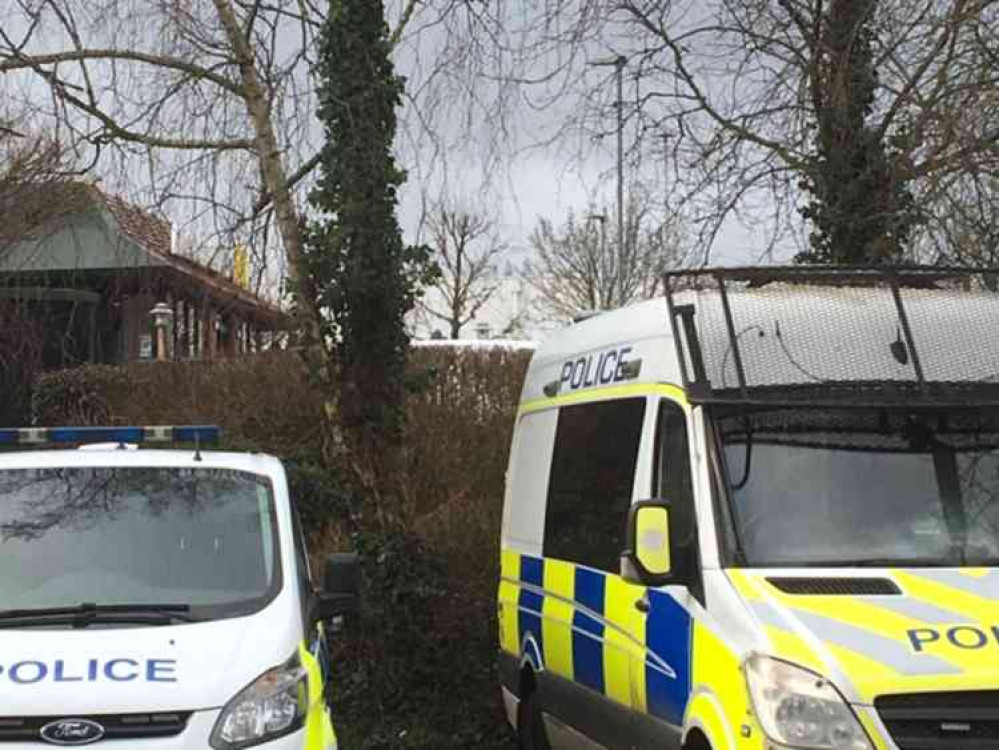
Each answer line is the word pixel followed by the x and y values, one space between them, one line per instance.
pixel 201 434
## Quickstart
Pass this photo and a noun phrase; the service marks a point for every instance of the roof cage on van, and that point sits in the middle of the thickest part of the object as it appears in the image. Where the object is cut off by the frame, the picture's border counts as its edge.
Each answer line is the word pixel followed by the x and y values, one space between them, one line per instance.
pixel 843 336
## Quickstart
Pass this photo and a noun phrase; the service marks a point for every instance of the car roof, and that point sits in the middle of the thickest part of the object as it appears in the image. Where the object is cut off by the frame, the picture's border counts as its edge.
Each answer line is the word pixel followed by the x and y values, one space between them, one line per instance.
pixel 93 456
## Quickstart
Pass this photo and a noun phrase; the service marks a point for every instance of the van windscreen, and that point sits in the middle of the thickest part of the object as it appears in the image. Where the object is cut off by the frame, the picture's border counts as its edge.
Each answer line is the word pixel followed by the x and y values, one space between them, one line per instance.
pixel 199 538
pixel 856 487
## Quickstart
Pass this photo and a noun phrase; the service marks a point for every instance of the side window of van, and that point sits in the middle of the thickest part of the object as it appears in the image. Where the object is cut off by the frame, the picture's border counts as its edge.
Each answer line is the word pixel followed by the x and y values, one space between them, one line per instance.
pixel 592 476
pixel 672 479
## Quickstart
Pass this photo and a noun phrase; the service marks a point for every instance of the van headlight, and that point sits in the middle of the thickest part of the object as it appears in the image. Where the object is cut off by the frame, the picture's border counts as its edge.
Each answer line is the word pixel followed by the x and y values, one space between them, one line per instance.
pixel 273 705
pixel 798 708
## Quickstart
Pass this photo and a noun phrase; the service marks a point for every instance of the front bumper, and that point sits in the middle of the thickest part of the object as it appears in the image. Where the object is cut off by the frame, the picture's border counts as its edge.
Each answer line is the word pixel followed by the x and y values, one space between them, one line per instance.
pixel 194 737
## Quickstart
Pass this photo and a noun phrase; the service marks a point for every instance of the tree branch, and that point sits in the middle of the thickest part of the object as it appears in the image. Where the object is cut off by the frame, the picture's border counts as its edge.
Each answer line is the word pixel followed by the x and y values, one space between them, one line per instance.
pixel 702 98
pixel 407 16
pixel 20 61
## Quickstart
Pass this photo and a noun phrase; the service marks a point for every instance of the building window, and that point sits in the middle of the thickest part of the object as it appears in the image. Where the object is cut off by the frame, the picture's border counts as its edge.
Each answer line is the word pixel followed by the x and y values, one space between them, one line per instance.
pixel 592 477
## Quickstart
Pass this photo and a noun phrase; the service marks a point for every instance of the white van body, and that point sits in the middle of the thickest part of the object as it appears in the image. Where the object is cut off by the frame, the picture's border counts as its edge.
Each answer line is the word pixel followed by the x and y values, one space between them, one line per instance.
pixel 817 597
pixel 151 685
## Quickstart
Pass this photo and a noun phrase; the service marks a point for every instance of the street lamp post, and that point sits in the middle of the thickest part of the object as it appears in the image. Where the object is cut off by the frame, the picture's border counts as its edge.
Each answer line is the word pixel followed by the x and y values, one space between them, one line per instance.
pixel 619 62
pixel 665 137
pixel 619 65
pixel 602 218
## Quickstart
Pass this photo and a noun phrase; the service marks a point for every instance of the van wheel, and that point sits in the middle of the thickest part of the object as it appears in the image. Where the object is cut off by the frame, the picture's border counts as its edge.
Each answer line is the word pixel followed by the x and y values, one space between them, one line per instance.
pixel 530 724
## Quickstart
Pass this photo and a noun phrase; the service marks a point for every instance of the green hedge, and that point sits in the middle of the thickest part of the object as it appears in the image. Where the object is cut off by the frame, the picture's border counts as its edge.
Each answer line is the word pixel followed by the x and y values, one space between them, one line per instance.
pixel 418 669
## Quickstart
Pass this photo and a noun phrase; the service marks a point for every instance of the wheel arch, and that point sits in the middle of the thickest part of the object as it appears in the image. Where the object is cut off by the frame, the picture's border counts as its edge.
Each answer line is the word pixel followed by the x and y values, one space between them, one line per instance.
pixel 706 726
pixel 696 739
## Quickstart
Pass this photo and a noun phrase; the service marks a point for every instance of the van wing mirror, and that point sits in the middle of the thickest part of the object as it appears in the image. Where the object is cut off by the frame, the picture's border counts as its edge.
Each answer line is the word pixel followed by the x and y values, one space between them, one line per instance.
pixel 648 559
pixel 340 594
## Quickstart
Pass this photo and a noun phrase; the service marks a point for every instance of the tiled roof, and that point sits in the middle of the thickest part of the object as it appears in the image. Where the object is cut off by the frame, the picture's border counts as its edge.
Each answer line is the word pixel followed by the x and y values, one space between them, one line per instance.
pixel 149 231
pixel 153 233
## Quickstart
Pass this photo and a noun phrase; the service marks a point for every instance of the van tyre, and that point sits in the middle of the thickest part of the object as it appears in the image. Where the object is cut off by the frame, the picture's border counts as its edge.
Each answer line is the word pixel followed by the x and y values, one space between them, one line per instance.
pixel 531 725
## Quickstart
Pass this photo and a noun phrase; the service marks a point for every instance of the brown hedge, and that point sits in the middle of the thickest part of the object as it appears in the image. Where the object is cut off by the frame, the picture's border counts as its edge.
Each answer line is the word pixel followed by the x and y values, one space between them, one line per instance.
pixel 459 412
pixel 443 692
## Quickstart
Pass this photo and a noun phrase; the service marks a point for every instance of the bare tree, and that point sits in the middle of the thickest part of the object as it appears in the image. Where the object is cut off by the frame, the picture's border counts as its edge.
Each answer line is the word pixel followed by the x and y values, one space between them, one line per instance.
pixel 742 88
pixel 34 169
pixel 583 267
pixel 466 247
pixel 36 192
pixel 213 99
pixel 961 228
pixel 203 101
pixel 732 83
pixel 210 105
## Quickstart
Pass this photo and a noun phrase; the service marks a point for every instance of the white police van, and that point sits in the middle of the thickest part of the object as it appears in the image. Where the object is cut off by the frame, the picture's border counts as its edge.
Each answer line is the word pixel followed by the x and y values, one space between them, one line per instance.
pixel 760 512
pixel 158 598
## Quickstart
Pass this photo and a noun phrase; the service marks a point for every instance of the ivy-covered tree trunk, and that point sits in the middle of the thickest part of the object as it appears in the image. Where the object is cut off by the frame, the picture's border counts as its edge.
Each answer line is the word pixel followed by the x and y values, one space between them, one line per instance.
pixel 861 211
pixel 364 275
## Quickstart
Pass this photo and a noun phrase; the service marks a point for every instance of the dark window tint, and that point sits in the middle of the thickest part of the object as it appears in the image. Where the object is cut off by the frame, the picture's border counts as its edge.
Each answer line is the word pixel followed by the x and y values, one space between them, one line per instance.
pixel 593 472
pixel 672 480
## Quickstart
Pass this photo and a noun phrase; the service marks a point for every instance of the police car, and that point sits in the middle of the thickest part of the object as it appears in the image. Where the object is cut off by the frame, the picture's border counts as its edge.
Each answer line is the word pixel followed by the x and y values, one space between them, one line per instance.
pixel 760 512
pixel 158 598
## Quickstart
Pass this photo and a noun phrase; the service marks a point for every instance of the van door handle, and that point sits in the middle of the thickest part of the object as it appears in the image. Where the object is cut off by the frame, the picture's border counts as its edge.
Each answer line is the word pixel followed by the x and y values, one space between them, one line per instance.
pixel 642 605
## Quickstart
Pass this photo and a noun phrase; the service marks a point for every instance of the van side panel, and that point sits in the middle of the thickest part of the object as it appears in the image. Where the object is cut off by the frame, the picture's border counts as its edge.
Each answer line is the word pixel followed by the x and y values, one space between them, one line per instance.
pixel 625 684
pixel 527 482
pixel 566 612
pixel 509 590
pixel 557 635
pixel 626 676
pixel 519 599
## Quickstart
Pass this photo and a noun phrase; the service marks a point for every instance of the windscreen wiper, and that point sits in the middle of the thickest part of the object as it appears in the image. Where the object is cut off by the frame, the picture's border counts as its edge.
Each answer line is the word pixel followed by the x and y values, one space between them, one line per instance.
pixel 89 613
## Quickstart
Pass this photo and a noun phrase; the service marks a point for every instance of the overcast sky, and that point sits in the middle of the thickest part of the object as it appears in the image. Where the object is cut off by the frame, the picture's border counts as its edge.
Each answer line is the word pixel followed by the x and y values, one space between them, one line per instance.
pixel 496 162
pixel 449 148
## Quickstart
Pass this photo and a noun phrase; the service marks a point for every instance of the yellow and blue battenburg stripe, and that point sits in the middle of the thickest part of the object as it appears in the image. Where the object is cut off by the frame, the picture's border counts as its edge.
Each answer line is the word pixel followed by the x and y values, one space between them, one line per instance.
pixel 668 638
pixel 531 610
pixel 588 630
pixel 582 624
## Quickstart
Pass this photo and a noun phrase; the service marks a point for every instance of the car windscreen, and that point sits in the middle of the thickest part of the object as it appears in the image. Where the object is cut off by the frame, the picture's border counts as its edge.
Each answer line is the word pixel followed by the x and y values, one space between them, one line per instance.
pixel 874 487
pixel 205 538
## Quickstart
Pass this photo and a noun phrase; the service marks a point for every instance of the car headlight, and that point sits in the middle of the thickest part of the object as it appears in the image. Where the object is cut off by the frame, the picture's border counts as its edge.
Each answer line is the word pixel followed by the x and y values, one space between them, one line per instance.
pixel 273 705
pixel 800 709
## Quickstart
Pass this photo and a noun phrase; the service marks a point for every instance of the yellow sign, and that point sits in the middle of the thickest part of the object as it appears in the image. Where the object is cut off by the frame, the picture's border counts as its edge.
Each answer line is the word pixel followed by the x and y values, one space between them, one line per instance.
pixel 241 266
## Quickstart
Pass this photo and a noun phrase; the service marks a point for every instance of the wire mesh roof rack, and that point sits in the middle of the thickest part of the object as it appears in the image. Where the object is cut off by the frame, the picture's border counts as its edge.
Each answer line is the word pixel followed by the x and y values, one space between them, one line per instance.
pixel 832 335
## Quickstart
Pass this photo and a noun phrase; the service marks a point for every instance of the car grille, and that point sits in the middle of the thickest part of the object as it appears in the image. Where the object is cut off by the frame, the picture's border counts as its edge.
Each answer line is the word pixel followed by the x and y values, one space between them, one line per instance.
pixel 942 721
pixel 116 726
